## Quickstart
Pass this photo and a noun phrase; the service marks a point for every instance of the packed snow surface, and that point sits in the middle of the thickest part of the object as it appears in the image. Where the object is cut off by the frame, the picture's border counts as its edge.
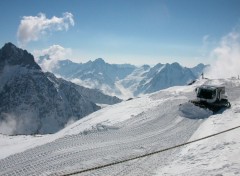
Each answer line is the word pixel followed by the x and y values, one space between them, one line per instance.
pixel 132 128
pixel 218 155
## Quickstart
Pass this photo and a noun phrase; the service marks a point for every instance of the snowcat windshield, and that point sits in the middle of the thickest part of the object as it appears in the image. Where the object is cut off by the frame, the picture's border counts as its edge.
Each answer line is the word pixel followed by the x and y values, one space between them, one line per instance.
pixel 206 93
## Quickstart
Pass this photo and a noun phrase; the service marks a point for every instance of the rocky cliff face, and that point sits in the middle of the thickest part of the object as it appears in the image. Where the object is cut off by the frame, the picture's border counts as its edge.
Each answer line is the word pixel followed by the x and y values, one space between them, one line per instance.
pixel 31 102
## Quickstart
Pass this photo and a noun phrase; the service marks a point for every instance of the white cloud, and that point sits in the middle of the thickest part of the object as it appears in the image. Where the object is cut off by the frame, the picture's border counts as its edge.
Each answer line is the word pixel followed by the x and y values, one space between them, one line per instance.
pixel 52 55
pixel 226 56
pixel 32 28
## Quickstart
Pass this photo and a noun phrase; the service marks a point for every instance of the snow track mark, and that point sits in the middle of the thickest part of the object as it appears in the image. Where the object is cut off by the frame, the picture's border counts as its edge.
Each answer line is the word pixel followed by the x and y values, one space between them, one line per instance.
pixel 149 131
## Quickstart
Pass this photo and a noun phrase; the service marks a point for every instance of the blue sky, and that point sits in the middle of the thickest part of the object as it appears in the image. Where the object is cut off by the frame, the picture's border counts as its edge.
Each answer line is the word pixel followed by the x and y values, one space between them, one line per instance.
pixel 125 31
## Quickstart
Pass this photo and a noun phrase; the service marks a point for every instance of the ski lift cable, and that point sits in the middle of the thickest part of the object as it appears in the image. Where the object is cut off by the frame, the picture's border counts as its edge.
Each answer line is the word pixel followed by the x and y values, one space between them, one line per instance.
pixel 148 154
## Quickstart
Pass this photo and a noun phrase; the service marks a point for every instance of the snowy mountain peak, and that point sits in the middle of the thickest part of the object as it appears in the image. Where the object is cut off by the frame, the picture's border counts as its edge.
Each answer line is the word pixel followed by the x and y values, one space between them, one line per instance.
pixel 159 65
pixel 145 67
pixel 11 55
pixel 199 69
pixel 9 45
pixel 200 65
pixel 99 61
pixel 176 64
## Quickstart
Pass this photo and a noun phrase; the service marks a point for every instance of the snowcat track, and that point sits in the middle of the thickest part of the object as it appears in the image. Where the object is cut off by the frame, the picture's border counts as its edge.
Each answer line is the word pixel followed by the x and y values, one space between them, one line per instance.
pixel 214 107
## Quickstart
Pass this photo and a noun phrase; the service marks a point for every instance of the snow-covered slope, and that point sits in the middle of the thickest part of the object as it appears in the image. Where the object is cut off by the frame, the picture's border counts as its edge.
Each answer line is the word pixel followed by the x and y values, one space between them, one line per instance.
pixel 132 128
pixel 218 155
pixel 32 102
pixel 126 80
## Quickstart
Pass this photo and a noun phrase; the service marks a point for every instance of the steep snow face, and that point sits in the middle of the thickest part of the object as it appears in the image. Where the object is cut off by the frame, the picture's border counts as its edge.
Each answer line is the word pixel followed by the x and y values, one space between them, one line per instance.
pixel 126 80
pixel 31 102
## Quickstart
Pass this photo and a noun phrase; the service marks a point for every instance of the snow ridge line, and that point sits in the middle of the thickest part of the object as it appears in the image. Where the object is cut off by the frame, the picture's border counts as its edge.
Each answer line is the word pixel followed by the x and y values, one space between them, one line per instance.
pixel 149 154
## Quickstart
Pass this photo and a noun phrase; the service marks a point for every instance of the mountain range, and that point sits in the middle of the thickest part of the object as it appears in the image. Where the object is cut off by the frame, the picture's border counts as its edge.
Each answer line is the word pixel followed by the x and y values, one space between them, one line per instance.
pixel 125 80
pixel 37 102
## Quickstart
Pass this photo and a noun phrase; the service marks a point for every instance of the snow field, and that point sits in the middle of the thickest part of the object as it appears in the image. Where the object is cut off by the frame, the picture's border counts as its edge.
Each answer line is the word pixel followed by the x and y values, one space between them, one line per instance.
pixel 125 130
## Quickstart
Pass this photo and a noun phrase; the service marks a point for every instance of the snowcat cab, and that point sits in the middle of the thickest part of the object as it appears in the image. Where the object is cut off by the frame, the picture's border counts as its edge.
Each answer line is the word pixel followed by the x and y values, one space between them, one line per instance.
pixel 211 97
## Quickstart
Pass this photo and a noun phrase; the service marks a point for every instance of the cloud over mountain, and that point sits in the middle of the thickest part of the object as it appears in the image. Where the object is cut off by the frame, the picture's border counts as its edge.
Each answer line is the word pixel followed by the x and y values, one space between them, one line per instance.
pixel 51 56
pixel 32 28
